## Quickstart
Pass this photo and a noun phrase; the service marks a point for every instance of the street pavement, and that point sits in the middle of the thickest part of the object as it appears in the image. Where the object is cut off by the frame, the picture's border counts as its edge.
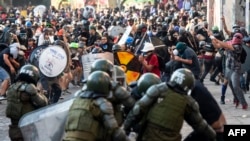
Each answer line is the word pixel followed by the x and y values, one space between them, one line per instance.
pixel 233 115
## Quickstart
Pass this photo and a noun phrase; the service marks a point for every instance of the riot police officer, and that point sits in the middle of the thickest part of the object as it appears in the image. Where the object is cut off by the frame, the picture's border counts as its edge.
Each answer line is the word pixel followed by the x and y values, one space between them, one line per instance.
pixel 120 96
pixel 144 82
pixel 165 107
pixel 91 116
pixel 23 97
pixel 138 91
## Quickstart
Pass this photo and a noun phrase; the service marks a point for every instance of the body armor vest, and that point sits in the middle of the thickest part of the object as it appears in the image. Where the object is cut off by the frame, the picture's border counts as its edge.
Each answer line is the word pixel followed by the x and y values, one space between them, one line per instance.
pixel 18 102
pixel 83 117
pixel 169 113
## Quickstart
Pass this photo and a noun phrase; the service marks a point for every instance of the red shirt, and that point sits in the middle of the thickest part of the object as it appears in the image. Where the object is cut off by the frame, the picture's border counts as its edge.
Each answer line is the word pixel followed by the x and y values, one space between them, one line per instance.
pixel 153 60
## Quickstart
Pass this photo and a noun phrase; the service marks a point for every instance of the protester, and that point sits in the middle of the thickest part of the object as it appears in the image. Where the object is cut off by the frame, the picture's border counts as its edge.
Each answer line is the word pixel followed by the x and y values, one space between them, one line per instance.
pixel 188 58
pixel 233 66
pixel 8 66
pixel 149 60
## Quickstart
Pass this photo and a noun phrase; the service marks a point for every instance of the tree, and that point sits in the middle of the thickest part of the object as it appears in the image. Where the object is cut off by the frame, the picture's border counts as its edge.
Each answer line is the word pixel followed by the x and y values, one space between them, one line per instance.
pixel 121 5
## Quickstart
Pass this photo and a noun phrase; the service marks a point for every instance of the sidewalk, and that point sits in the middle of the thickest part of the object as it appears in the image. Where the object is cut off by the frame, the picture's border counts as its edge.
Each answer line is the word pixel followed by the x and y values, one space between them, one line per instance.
pixel 233 115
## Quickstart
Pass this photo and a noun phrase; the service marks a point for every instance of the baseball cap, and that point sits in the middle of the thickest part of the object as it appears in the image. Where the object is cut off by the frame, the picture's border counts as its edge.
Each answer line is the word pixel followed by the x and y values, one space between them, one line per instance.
pixel 180 46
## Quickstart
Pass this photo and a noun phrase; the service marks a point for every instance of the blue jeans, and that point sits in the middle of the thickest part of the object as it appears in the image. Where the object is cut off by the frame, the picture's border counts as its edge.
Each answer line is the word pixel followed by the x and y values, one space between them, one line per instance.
pixel 233 77
pixel 244 81
pixel 4 74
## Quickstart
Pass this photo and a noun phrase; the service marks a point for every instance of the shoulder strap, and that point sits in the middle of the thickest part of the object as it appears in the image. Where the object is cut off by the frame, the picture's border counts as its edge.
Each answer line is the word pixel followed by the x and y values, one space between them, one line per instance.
pixel 20 88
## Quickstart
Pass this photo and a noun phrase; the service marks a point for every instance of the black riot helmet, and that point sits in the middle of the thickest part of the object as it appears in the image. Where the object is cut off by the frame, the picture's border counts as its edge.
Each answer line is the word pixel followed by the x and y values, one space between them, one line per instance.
pixel 29 73
pixel 102 65
pixel 99 82
pixel 182 80
pixel 145 81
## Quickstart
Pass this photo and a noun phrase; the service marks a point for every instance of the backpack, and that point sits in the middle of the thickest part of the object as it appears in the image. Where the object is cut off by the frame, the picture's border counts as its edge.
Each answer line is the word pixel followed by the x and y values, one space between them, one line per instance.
pixel 243 56
pixel 161 63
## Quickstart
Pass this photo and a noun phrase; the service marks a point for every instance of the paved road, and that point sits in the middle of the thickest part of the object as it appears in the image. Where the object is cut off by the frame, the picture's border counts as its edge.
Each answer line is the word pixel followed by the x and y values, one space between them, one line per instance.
pixel 4 122
pixel 233 115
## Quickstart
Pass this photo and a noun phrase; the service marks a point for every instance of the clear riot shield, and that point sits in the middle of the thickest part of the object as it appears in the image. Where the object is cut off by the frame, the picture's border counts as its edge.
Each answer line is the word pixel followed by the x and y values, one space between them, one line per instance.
pixel 45 124
pixel 115 30
pixel 88 59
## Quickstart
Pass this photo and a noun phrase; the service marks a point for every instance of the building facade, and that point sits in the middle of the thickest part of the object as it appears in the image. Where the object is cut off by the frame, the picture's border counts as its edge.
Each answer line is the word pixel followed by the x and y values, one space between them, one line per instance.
pixel 234 11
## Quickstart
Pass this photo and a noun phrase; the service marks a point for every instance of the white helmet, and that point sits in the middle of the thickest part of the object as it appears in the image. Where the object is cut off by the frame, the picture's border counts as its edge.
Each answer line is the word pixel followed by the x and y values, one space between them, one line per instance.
pixel 148 47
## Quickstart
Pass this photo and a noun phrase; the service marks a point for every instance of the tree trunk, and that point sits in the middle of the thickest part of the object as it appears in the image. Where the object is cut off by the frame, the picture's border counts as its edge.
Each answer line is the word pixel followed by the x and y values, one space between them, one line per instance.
pixel 123 1
pixel 121 5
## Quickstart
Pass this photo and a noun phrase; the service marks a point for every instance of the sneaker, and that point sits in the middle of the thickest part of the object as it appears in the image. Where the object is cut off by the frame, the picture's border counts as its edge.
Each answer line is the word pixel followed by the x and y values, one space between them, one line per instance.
pixel 73 82
pixel 79 83
pixel 66 92
pixel 213 80
pixel 217 83
pixel 244 106
pixel 3 97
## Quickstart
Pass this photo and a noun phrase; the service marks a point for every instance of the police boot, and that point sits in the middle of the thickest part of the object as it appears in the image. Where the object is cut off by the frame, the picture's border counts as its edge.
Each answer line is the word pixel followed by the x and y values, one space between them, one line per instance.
pixel 222 100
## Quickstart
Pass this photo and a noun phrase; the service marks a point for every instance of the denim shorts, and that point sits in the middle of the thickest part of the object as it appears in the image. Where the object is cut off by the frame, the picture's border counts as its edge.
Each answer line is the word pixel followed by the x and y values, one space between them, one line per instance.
pixel 4 74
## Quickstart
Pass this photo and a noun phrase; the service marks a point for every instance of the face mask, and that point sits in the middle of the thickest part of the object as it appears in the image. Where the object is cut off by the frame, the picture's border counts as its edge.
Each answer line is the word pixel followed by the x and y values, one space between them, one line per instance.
pixel 175 52
pixel 51 38
pixel 145 54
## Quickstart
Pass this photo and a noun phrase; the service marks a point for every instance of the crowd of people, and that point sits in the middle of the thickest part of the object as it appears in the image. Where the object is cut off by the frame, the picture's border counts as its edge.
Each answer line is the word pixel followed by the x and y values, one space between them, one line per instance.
pixel 191 51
